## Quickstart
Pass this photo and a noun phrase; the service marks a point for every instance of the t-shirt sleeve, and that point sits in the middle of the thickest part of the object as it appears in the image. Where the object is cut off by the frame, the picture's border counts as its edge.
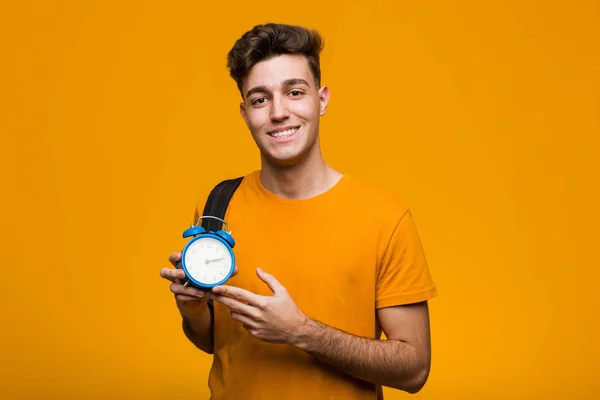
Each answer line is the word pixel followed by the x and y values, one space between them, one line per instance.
pixel 404 275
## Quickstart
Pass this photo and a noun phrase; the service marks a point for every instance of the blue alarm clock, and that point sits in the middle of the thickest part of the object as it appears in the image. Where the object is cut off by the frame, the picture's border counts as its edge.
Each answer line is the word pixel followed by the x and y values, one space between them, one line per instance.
pixel 207 259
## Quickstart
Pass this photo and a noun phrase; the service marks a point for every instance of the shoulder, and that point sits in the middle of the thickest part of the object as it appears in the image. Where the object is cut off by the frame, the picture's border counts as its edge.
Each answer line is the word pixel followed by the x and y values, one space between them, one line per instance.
pixel 376 199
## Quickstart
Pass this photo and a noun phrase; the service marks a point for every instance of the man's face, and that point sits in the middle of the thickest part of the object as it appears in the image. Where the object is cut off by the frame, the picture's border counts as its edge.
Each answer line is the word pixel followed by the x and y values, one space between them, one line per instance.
pixel 282 107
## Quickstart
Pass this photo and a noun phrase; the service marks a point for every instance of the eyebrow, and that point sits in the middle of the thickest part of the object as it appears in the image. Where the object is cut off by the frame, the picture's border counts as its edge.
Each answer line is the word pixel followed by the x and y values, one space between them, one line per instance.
pixel 287 82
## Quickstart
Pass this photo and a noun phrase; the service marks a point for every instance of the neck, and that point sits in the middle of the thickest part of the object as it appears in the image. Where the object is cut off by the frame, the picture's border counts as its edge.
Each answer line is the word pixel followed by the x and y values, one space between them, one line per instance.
pixel 306 178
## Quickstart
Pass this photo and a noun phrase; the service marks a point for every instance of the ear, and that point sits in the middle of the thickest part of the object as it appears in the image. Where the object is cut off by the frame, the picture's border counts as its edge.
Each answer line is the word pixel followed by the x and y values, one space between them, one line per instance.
pixel 243 113
pixel 323 99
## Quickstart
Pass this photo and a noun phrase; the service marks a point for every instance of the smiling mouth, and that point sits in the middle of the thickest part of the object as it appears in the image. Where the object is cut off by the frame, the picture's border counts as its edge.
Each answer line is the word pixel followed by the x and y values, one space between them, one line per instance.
pixel 284 134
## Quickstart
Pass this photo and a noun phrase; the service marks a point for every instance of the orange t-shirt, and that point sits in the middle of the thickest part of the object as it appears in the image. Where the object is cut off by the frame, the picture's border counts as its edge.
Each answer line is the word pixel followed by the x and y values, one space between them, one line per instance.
pixel 341 255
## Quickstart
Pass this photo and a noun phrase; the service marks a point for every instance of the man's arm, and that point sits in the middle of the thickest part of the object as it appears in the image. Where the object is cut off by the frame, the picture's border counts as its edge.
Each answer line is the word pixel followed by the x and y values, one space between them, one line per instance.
pixel 197 323
pixel 401 362
pixel 199 330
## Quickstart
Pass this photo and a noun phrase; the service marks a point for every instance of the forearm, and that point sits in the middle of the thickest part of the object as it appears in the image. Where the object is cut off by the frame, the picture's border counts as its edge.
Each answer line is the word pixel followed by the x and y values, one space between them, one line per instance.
pixel 199 330
pixel 391 363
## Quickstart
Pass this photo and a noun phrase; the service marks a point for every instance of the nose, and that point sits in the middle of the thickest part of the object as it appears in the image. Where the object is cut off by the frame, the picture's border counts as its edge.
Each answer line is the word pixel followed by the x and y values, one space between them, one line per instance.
pixel 279 110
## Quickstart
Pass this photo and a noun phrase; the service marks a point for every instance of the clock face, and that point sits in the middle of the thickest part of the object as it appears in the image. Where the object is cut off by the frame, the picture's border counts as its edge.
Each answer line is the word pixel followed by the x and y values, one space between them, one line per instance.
pixel 208 260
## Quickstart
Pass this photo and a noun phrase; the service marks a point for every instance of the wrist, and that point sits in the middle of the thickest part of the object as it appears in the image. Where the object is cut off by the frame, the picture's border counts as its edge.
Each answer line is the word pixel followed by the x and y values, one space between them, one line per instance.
pixel 307 331
pixel 197 313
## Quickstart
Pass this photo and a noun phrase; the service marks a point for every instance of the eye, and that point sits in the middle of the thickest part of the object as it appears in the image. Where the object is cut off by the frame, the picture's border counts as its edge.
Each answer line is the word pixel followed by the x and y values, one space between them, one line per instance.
pixel 259 100
pixel 296 93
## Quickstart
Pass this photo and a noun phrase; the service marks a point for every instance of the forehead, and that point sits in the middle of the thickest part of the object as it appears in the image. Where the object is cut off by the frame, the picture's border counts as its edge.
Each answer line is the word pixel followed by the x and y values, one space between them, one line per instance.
pixel 272 72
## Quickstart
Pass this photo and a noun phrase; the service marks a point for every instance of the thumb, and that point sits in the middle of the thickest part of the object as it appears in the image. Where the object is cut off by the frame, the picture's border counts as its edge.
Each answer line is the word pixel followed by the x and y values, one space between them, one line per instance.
pixel 270 280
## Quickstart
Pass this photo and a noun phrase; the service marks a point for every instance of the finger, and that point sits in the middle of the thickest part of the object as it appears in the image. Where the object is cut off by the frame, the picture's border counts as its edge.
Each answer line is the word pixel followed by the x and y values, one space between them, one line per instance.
pixel 183 298
pixel 178 288
pixel 171 274
pixel 174 258
pixel 235 271
pixel 245 320
pixel 270 280
pixel 234 305
pixel 239 294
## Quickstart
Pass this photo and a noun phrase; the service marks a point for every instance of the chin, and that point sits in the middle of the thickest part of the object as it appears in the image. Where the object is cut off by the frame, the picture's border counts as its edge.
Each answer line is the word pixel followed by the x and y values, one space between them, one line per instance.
pixel 283 159
pixel 282 162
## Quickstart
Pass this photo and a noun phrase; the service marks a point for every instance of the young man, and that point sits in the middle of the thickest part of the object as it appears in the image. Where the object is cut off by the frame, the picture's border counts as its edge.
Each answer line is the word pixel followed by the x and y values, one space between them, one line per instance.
pixel 325 260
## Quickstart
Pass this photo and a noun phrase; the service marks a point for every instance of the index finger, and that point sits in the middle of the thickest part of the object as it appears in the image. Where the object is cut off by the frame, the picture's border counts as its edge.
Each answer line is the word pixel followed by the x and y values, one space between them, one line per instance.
pixel 239 294
pixel 174 258
pixel 172 274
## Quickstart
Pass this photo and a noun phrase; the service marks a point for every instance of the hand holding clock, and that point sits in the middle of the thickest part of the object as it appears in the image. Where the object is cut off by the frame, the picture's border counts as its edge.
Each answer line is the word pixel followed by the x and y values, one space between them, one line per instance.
pixel 190 300
pixel 274 318
pixel 208 261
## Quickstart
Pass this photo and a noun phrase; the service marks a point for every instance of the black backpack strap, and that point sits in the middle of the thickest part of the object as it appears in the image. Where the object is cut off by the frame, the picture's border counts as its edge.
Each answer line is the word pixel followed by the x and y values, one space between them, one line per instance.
pixel 218 201
pixel 216 206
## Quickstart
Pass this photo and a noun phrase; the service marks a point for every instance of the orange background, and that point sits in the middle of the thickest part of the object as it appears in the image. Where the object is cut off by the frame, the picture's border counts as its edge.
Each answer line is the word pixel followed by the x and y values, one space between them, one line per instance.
pixel 483 116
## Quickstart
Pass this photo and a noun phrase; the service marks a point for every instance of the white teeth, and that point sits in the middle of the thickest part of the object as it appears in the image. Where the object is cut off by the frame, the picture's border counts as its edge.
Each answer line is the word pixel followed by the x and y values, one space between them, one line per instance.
pixel 284 133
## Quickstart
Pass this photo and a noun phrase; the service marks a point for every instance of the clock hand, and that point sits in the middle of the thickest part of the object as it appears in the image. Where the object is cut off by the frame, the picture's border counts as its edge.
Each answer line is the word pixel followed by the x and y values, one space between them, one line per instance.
pixel 214 259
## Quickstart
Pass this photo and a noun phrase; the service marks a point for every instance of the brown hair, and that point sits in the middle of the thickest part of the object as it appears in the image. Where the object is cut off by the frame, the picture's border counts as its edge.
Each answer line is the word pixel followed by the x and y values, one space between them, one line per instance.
pixel 270 40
